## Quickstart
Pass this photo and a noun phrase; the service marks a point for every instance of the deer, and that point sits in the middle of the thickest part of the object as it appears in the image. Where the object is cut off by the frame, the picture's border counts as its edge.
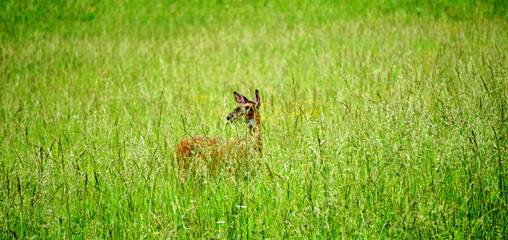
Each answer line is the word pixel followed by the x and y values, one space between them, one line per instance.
pixel 216 151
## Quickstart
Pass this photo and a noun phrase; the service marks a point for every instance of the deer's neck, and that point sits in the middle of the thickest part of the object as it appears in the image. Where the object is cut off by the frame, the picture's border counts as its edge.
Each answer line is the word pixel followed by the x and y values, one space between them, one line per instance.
pixel 255 130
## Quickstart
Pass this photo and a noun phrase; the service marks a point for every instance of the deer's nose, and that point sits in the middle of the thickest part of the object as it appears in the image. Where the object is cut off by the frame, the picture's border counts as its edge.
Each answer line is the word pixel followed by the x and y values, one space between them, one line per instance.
pixel 229 117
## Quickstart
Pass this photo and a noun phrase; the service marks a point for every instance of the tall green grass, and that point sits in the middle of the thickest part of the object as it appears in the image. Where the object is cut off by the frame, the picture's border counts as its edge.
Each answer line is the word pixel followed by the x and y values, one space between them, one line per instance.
pixel 380 120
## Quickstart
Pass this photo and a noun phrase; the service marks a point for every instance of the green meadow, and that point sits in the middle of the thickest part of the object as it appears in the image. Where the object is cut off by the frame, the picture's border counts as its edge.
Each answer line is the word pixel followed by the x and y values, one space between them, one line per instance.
pixel 380 120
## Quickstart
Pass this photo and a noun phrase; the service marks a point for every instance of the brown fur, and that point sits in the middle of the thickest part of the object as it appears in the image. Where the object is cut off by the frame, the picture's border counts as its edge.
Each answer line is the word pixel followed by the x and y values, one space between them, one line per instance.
pixel 218 150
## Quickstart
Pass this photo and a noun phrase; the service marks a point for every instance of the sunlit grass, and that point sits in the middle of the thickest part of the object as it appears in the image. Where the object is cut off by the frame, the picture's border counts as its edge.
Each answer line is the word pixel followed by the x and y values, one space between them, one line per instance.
pixel 379 120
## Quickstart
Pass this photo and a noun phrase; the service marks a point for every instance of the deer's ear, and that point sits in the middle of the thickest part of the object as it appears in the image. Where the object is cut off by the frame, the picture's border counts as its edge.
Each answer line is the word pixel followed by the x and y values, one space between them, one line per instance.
pixel 256 99
pixel 240 99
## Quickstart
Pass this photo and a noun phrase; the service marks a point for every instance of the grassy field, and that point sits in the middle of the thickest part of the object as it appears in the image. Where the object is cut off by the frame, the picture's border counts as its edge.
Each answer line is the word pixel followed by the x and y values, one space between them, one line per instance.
pixel 382 120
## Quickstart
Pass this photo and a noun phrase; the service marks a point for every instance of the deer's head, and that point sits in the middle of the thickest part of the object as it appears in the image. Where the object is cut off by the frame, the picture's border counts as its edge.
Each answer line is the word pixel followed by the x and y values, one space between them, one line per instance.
pixel 246 110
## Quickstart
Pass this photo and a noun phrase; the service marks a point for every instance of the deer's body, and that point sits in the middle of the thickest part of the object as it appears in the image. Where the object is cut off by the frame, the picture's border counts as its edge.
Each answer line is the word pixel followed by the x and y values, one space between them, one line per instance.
pixel 219 150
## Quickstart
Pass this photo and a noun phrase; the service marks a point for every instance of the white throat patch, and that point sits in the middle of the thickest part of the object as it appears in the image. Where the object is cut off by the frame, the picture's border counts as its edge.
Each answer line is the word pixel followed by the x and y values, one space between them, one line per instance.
pixel 252 123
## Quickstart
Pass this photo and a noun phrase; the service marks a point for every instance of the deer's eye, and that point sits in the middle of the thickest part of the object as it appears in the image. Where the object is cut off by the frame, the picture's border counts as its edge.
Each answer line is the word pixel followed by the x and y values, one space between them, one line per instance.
pixel 247 108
